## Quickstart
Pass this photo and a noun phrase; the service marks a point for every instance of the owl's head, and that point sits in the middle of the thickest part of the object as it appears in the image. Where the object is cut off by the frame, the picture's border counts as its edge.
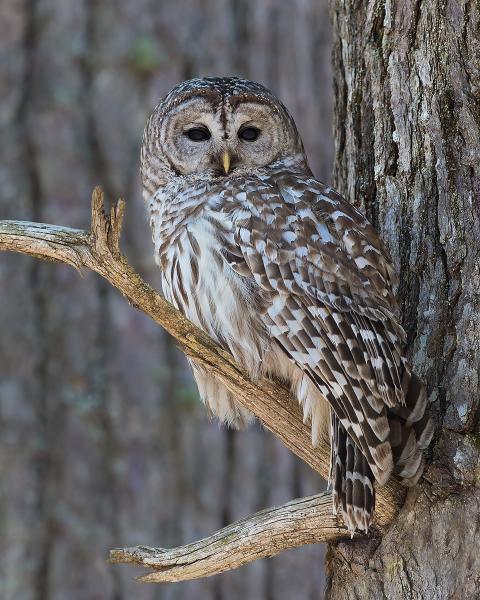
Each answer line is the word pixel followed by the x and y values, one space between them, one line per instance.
pixel 215 127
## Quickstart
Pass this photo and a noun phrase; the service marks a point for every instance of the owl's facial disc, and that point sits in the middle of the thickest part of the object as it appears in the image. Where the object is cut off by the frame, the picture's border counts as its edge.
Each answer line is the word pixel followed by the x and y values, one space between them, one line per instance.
pixel 204 135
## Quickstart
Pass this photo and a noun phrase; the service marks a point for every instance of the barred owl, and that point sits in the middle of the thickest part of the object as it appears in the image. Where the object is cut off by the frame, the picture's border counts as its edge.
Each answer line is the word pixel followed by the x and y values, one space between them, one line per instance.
pixel 285 274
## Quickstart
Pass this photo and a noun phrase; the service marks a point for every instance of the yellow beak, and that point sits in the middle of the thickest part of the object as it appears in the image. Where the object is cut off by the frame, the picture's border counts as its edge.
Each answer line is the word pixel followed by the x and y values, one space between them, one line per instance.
pixel 226 162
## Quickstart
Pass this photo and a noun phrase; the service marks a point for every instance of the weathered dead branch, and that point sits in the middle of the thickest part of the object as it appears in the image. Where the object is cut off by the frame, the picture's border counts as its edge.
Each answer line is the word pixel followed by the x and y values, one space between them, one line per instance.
pixel 266 533
pixel 299 522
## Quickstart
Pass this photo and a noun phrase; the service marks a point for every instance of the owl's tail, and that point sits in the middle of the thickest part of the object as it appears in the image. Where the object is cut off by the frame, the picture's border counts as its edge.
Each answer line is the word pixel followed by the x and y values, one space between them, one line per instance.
pixel 411 431
pixel 351 477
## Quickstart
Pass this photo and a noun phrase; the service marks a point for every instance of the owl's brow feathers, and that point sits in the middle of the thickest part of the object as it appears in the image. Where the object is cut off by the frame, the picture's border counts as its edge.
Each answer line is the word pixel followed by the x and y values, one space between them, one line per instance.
pixel 222 90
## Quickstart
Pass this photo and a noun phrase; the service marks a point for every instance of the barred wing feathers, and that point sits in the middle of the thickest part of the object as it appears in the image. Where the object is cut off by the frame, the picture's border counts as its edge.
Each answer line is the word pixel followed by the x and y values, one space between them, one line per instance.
pixel 333 312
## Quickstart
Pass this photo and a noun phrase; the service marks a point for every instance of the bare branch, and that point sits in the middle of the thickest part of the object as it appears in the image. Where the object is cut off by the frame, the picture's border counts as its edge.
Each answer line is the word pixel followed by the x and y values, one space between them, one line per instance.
pixel 266 533
pixel 269 400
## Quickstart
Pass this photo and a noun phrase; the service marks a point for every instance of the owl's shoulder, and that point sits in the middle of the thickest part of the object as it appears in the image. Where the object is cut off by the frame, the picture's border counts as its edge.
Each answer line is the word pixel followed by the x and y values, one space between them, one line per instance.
pixel 347 226
pixel 292 216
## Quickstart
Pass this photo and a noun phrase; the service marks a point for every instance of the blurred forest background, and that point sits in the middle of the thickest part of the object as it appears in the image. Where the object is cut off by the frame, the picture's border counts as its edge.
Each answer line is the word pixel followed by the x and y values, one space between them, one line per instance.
pixel 103 442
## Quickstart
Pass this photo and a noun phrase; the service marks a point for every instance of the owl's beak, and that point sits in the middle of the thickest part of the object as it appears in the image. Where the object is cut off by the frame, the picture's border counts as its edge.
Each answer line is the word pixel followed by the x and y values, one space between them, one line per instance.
pixel 226 162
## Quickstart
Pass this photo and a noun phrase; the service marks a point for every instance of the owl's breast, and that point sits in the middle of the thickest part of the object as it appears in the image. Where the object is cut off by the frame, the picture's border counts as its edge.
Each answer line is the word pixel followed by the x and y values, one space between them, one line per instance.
pixel 199 281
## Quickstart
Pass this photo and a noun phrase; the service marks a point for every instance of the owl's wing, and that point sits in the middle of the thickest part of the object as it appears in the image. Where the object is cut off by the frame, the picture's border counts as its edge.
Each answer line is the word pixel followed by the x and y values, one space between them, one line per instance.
pixel 333 310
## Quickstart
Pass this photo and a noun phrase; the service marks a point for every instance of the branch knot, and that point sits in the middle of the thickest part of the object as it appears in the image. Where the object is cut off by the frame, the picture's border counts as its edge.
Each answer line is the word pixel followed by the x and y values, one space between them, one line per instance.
pixel 106 228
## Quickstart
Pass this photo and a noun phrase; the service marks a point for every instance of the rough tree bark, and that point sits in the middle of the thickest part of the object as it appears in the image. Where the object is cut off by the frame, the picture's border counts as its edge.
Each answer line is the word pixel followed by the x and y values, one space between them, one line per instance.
pixel 408 148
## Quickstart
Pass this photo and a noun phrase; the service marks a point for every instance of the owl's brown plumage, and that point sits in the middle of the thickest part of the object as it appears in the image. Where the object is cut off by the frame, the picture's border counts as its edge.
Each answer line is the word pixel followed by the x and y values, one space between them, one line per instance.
pixel 287 275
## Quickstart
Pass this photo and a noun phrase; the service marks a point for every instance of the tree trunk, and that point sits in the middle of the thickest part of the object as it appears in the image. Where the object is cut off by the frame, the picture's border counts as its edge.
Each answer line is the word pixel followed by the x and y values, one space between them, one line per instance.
pixel 407 120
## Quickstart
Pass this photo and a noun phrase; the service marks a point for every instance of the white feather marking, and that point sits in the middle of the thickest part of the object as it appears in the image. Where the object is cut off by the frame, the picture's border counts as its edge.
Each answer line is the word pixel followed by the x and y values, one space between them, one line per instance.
pixel 276 307
pixel 289 236
pixel 324 233
pixel 301 251
pixel 362 262
pixel 245 235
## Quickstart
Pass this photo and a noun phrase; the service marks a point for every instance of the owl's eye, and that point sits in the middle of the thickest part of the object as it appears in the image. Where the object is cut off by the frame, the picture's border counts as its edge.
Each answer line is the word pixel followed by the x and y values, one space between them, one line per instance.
pixel 249 134
pixel 198 134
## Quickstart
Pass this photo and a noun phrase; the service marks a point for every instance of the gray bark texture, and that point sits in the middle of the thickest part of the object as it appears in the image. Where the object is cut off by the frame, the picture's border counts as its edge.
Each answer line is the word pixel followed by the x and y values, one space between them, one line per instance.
pixel 407 129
